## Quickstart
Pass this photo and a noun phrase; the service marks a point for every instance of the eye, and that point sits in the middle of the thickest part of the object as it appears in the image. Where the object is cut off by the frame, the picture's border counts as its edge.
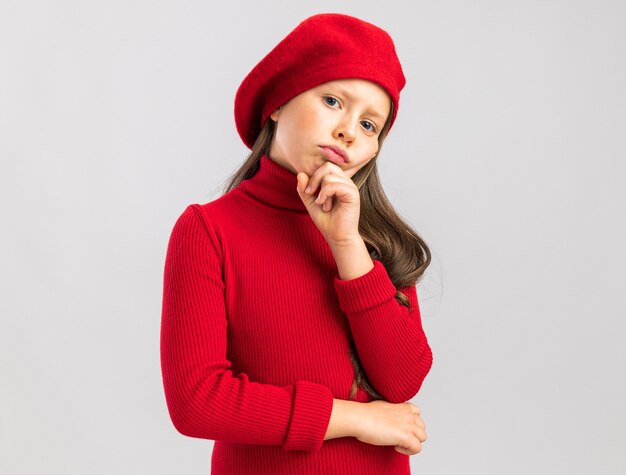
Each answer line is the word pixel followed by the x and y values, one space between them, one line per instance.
pixel 367 125
pixel 331 101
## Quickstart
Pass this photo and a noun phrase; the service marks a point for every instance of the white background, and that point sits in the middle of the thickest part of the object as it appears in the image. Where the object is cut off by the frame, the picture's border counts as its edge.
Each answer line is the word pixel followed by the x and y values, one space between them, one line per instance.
pixel 507 157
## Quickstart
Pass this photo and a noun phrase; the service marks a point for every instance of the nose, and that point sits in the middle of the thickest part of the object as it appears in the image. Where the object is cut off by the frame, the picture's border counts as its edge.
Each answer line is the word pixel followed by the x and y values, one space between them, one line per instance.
pixel 346 129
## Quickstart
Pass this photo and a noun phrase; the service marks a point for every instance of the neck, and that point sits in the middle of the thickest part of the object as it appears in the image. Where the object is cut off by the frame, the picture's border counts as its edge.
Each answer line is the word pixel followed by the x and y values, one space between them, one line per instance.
pixel 274 185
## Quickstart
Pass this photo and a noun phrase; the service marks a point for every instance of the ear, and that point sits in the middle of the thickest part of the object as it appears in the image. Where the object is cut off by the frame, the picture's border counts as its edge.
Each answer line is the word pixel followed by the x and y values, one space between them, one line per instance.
pixel 274 115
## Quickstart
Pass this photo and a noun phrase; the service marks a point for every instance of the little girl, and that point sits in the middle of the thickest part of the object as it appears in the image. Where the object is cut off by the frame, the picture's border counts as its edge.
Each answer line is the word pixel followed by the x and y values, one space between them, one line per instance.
pixel 291 333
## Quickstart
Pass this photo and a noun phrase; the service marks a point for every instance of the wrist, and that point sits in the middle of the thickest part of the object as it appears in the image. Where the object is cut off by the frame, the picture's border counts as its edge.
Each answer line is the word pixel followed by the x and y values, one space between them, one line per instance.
pixel 348 242
pixel 352 259
pixel 345 420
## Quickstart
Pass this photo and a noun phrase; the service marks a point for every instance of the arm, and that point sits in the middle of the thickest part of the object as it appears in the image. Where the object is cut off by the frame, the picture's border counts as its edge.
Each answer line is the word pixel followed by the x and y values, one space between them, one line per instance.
pixel 204 398
pixel 390 340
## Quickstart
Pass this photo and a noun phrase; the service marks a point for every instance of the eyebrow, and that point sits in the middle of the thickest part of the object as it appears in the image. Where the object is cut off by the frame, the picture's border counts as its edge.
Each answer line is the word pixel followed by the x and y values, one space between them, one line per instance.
pixel 374 111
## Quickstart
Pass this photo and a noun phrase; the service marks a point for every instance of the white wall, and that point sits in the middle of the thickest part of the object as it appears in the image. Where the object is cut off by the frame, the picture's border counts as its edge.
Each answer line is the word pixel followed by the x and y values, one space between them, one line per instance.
pixel 507 156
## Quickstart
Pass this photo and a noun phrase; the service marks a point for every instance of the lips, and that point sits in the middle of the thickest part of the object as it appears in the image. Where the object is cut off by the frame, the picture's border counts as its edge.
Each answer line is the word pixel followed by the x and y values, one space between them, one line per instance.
pixel 335 154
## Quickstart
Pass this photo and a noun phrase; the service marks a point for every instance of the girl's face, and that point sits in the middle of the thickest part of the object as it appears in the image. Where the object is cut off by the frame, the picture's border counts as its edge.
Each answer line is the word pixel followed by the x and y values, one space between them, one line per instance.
pixel 346 114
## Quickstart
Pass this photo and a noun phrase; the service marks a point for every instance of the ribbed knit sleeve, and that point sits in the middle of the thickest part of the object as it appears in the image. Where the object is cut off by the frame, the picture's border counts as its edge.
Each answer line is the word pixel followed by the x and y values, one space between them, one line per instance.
pixel 204 398
pixel 390 340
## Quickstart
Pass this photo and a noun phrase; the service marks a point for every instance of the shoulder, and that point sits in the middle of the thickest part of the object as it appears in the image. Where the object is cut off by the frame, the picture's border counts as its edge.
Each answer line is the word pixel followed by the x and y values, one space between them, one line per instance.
pixel 219 211
pixel 210 219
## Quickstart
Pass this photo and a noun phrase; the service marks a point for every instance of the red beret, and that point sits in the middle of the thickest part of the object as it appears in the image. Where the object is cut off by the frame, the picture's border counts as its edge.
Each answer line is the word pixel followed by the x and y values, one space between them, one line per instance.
pixel 324 47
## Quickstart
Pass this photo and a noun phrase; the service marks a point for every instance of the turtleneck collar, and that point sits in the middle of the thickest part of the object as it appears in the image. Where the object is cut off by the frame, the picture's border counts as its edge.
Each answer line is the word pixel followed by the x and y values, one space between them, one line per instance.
pixel 274 185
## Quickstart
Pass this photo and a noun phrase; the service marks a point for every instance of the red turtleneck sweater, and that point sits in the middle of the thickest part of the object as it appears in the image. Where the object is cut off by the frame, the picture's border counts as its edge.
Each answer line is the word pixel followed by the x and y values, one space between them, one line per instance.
pixel 256 329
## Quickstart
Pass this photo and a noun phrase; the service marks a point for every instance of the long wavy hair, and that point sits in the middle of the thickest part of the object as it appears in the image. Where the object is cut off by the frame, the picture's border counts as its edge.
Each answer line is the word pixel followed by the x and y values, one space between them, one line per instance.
pixel 387 236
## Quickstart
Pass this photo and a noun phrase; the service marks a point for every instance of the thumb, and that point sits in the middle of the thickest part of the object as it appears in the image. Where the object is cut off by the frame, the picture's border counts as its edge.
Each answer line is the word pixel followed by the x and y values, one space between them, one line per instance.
pixel 402 450
pixel 303 181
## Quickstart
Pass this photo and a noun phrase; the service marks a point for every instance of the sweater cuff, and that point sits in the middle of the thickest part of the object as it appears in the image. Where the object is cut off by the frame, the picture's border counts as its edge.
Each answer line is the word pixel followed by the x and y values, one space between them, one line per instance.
pixel 365 292
pixel 312 407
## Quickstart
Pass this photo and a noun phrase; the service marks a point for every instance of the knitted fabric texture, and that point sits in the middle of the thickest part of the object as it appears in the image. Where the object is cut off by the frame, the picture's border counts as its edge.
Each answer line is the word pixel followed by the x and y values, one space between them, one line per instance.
pixel 256 331
pixel 322 48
